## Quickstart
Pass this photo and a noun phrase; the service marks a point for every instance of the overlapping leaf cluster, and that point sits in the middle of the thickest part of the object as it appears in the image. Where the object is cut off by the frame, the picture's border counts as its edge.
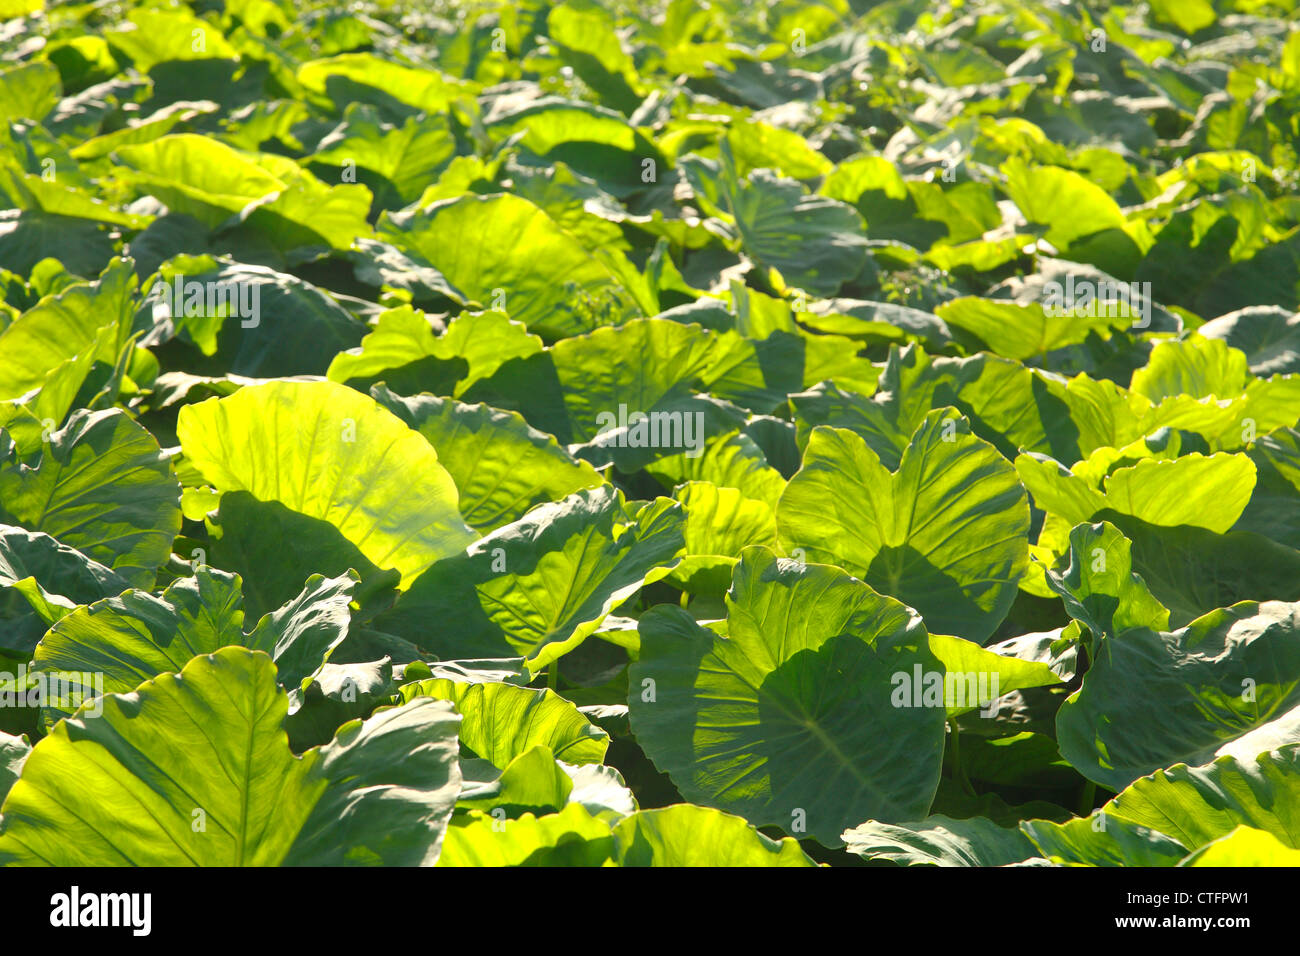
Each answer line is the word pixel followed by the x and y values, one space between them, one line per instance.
pixel 315 321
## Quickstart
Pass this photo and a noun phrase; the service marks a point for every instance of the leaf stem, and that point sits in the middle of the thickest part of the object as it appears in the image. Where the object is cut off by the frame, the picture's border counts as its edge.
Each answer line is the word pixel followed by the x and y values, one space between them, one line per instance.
pixel 958 771
pixel 1087 798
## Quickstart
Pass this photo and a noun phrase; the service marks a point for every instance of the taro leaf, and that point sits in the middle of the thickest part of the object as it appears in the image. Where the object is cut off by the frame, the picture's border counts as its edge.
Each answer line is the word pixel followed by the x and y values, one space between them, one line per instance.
pixel 1197 805
pixel 1099 586
pixel 66 324
pixel 501 721
pixel 502 467
pixel 328 452
pixel 790 719
pixel 979 675
pixel 1102 841
pixel 1021 331
pixel 1244 847
pixel 504 252
pixel 29 235
pixel 28 90
pixel 272 547
pixel 333 695
pixel 1268 335
pixel 13 754
pixel 1008 405
pixel 382 264
pixel 368 78
pixel 248 320
pixel 103 486
pixel 644 366
pixel 1274 509
pixel 1065 201
pixel 760 374
pixel 303 633
pixel 940 841
pixel 198 176
pixel 403 352
pixel 396 163
pixel 51 578
pixel 686 835
pixel 128 787
pixel 731 460
pixel 601 789
pixel 538 587
pixel 947 533
pixel 1196 366
pixel 720 523
pixel 531 781
pixel 1204 491
pixel 817 244
pixel 489 670
pixel 137 636
pixel 587 39
pixel 572 837
pixel 1228 683
pixel 1192 571
pixel 392 785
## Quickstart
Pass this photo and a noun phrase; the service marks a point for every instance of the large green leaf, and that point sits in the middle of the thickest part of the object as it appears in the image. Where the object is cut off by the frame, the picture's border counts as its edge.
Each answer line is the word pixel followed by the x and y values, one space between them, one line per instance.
pixel 1099 586
pixel 401 160
pixel 195 769
pixel 816 244
pixel 1197 805
pixel 947 533
pixel 1203 491
pixel 1228 683
pixel 1195 366
pixel 1009 405
pixel 404 353
pixel 52 579
pixel 686 835
pixel 791 718
pixel 260 323
pixel 328 452
pixel 1269 336
pixel 1062 200
pixel 1021 331
pixel 103 486
pixel 940 841
pixel 1244 847
pixel 65 325
pixel 502 467
pixel 572 837
pixel 720 523
pixel 731 460
pixel 1102 841
pixel 200 176
pixel 1001 673
pixel 501 721
pixel 540 586
pixel 136 636
pixel 1192 571
pixel 505 253
pixel 13 754
pixel 273 549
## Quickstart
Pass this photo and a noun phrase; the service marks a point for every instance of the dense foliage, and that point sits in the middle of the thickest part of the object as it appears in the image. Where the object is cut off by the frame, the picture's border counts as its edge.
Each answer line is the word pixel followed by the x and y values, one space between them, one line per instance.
pixel 728 433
